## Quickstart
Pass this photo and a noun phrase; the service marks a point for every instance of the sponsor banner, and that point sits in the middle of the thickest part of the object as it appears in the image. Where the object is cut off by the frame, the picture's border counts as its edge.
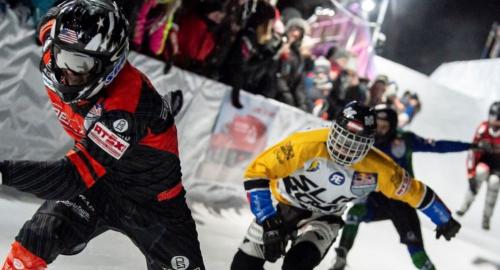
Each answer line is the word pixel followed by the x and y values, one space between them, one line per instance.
pixel 238 136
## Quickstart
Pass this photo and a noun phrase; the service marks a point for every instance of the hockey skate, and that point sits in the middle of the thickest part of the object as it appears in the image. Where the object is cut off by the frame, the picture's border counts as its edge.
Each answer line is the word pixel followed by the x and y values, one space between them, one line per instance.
pixel 486 224
pixel 340 261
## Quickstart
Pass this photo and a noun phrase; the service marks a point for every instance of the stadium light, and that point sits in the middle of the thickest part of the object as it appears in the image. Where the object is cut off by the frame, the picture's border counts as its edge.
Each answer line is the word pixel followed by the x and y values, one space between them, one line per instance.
pixel 368 5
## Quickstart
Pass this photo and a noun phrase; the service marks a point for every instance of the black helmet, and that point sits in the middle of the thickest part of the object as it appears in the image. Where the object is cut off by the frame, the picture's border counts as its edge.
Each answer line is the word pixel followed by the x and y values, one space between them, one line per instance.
pixel 388 114
pixel 494 119
pixel 352 134
pixel 494 114
pixel 88 39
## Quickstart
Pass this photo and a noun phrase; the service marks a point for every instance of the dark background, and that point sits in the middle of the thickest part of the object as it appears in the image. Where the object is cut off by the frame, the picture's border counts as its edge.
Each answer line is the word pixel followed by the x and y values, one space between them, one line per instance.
pixel 422 34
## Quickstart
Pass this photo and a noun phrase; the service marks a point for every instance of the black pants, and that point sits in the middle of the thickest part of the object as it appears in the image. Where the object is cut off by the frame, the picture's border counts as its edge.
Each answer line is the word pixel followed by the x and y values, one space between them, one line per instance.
pixel 165 232
pixel 403 216
pixel 308 247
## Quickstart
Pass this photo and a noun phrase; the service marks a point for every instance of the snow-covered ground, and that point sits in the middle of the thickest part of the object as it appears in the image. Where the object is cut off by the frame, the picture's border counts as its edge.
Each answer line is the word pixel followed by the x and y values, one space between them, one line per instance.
pixel 377 246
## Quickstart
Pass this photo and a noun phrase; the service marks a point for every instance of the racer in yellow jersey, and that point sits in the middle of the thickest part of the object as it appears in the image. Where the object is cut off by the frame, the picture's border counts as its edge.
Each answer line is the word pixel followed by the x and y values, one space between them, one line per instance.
pixel 313 175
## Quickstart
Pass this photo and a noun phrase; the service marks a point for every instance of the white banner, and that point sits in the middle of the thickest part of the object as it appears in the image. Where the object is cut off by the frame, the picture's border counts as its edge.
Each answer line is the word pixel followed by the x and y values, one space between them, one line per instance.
pixel 238 136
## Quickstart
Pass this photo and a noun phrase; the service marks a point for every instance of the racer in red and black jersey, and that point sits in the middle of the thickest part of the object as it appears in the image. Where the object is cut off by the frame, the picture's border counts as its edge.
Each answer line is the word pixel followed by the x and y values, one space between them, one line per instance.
pixel 485 165
pixel 123 172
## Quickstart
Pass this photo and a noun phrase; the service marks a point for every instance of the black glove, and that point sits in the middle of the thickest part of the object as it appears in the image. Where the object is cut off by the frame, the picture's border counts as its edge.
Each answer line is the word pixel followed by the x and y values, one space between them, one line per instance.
pixel 274 238
pixel 448 230
pixel 176 101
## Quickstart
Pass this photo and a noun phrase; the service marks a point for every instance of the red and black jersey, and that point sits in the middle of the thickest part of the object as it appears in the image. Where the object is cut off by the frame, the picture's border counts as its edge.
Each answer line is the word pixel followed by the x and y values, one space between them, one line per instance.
pixel 125 136
pixel 492 159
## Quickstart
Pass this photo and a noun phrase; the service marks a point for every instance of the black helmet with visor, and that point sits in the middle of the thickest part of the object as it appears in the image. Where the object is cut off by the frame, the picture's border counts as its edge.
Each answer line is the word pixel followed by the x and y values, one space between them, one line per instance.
pixel 88 46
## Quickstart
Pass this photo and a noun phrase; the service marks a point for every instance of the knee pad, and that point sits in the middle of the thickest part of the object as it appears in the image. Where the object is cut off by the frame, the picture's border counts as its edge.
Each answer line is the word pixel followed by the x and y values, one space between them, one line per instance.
pixel 33 235
pixel 321 234
pixel 243 261
pixel 482 172
pixel 494 182
pixel 303 256
pixel 20 258
pixel 252 249
pixel 491 199
pixel 253 243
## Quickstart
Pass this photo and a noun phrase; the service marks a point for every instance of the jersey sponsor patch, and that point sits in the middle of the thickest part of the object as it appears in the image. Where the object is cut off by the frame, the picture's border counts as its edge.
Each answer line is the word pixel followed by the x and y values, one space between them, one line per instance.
pixel 18 264
pixel 108 141
pixel 404 186
pixel 314 166
pixel 336 178
pixel 120 125
pixel 180 263
pixel 363 183
pixel 284 153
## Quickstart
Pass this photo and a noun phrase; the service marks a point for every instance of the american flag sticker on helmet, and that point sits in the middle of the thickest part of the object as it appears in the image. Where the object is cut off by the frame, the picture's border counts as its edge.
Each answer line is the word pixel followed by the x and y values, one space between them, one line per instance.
pixel 68 36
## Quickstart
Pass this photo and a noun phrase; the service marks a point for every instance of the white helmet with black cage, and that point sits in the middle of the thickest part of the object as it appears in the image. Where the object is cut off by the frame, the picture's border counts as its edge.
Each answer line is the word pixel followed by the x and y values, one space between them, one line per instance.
pixel 88 46
pixel 352 134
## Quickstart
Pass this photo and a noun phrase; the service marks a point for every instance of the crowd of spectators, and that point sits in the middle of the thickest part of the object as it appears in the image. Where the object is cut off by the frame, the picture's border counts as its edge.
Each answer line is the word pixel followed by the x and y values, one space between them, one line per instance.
pixel 250 45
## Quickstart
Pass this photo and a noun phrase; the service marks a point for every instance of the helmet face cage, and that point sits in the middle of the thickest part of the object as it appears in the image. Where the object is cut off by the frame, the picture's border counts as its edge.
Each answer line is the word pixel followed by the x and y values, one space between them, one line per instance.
pixel 345 147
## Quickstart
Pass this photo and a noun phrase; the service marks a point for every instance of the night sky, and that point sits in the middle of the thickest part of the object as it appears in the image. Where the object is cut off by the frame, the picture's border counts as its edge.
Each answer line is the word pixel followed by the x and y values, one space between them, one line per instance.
pixel 422 34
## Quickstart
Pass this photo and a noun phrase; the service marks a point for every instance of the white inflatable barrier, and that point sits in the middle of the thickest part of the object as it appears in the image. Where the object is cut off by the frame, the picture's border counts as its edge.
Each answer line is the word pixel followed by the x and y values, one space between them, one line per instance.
pixel 217 140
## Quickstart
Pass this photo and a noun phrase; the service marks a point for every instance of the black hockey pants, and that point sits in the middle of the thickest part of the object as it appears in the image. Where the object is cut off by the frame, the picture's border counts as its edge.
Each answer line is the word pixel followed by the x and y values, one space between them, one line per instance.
pixel 165 233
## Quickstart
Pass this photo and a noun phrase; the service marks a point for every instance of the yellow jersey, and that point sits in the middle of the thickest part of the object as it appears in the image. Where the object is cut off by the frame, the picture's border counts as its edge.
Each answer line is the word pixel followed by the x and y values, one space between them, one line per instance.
pixel 300 173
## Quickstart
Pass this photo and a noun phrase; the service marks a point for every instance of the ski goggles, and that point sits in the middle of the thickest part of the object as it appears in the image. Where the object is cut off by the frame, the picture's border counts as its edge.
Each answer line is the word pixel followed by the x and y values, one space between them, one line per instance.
pixel 76 62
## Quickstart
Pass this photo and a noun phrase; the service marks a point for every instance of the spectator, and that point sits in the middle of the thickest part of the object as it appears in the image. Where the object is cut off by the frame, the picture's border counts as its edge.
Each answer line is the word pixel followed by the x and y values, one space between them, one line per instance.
pixel 309 81
pixel 377 90
pixel 290 74
pixel 338 58
pixel 250 64
pixel 412 106
pixel 196 35
pixel 154 21
pixel 130 9
pixel 346 86
pixel 391 97
pixel 321 88
pixel 357 90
